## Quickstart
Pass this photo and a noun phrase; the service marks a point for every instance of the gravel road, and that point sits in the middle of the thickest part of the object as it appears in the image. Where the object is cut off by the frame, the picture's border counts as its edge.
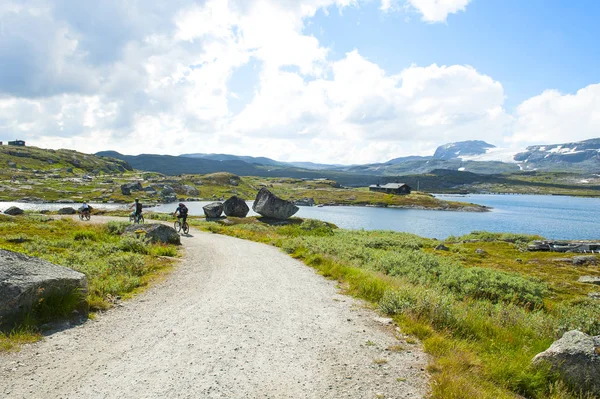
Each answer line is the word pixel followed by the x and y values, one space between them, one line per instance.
pixel 236 319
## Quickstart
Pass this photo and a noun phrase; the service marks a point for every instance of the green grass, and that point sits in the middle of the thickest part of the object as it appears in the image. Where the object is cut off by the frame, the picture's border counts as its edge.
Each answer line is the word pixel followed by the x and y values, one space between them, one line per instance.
pixel 482 318
pixel 115 265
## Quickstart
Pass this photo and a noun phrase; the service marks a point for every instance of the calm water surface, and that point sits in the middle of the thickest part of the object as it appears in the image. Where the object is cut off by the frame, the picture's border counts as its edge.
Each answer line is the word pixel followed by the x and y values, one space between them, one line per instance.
pixel 554 217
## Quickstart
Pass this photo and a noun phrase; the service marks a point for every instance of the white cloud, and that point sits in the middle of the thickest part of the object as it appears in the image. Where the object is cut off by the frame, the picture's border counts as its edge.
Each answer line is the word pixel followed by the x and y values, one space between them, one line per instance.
pixel 437 10
pixel 157 78
pixel 552 117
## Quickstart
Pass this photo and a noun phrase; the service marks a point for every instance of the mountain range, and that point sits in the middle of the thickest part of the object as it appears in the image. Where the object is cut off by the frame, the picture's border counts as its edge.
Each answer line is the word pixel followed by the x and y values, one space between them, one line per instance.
pixel 473 156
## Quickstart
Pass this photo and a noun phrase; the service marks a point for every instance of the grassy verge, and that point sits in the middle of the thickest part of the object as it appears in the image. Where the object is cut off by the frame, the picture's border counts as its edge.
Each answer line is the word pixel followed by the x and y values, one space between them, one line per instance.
pixel 116 266
pixel 482 322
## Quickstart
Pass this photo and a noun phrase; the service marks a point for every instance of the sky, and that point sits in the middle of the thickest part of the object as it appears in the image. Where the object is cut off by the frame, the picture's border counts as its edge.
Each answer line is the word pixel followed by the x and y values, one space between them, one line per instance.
pixel 328 81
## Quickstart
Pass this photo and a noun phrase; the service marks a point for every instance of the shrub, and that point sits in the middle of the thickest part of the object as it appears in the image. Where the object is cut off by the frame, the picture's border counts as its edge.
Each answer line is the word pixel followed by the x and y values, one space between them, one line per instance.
pixel 116 228
pixel 85 235
pixel 133 244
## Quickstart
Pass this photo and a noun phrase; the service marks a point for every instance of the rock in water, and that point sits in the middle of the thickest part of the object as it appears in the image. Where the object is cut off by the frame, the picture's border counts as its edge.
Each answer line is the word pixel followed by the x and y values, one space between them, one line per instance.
pixel 14 211
pixel 213 210
pixel 576 357
pixel 25 280
pixel 235 206
pixel 155 232
pixel 269 205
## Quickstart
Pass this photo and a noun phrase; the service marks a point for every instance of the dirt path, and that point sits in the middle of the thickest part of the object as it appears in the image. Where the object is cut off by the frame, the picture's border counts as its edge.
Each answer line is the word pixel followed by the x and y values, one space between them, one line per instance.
pixel 236 319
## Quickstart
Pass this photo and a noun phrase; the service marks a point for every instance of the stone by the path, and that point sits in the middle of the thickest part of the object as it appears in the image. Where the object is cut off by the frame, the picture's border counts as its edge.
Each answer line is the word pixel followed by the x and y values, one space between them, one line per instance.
pixel 155 232
pixel 213 210
pixel 589 280
pixel 235 206
pixel 14 211
pixel 269 205
pixel 576 357
pixel 66 211
pixel 25 280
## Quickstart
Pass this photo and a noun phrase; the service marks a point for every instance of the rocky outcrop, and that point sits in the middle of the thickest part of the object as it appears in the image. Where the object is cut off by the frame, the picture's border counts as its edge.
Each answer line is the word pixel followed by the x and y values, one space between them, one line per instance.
pixel 565 246
pixel 235 206
pixel 213 210
pixel 576 357
pixel 189 190
pixel 155 233
pixel 127 188
pixel 305 202
pixel 269 205
pixel 25 280
pixel 66 211
pixel 589 280
pixel 14 211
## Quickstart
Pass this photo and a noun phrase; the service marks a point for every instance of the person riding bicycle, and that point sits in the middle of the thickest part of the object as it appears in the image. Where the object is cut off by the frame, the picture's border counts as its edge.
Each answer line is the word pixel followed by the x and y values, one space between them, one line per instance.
pixel 183 212
pixel 138 209
pixel 85 208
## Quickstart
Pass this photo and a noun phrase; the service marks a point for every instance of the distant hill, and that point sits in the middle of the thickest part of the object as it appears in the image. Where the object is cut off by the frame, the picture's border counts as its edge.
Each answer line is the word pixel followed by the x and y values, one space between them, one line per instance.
pixel 461 148
pixel 581 156
pixel 34 159
pixel 228 157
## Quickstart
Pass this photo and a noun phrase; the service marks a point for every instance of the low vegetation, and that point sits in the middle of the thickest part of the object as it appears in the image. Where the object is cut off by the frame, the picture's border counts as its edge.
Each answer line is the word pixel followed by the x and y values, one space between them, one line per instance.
pixel 483 309
pixel 116 266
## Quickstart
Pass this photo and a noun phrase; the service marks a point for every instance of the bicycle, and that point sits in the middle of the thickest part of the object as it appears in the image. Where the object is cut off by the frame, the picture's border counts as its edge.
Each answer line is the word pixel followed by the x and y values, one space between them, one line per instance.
pixel 84 216
pixel 178 226
pixel 136 220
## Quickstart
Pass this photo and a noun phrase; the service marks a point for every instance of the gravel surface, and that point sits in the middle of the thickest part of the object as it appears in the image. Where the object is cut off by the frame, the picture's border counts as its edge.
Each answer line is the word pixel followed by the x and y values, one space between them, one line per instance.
pixel 236 319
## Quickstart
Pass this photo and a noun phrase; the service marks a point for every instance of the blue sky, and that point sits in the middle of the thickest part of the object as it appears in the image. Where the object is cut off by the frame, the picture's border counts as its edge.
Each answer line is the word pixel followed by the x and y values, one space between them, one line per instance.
pixel 339 81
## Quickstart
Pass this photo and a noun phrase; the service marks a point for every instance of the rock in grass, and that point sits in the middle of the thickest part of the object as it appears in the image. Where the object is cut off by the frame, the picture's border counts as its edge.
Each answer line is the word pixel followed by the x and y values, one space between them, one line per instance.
pixel 576 357
pixel 589 280
pixel 25 282
pixel 66 211
pixel 235 206
pixel 213 210
pixel 14 211
pixel 584 259
pixel 155 232
pixel 269 205
pixel 441 247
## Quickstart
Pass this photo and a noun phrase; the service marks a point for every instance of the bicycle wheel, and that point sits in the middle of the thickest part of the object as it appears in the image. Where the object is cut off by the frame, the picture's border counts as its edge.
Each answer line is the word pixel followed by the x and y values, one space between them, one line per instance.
pixel 87 216
pixel 141 219
pixel 177 226
pixel 81 216
pixel 186 228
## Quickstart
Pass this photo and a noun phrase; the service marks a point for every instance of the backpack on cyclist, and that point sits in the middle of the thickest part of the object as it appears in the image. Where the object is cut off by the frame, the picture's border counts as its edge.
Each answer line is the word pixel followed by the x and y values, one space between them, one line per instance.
pixel 183 211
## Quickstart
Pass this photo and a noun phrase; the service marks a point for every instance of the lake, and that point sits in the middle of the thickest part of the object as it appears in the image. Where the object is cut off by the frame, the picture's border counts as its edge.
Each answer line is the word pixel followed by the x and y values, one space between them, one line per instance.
pixel 555 217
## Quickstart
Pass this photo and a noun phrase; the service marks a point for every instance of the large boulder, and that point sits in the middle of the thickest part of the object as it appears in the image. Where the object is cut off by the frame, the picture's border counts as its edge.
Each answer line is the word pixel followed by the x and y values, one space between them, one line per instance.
pixel 269 205
pixel 155 232
pixel 576 357
pixel 213 210
pixel 25 280
pixel 235 206
pixel 127 188
pixel 14 211
pixel 66 211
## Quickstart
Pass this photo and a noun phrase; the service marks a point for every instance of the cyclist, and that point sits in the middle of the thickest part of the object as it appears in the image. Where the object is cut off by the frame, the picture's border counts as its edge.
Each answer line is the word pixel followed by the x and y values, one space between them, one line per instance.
pixel 85 209
pixel 183 212
pixel 138 209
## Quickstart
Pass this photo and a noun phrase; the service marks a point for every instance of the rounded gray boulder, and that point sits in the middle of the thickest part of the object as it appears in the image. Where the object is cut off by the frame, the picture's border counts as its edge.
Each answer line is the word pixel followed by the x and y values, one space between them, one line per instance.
pixel 14 211
pixel 269 205
pixel 25 280
pixel 576 357
pixel 235 206
pixel 155 232
pixel 213 210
